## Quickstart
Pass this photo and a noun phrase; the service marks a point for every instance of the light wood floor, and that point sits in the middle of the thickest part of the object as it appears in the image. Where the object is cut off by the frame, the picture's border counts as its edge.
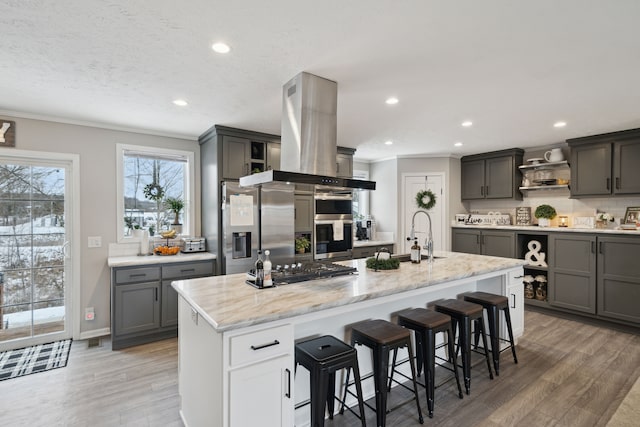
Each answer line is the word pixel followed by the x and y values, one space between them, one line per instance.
pixel 570 374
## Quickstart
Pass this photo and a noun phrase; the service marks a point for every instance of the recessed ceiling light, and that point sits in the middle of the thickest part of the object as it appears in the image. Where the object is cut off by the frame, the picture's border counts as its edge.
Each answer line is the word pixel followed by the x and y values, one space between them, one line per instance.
pixel 392 101
pixel 388 142
pixel 221 47
pixel 559 124
pixel 458 144
pixel 180 102
pixel 467 123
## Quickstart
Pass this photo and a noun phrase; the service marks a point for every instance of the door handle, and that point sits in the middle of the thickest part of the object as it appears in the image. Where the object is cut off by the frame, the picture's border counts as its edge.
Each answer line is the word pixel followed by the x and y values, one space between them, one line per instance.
pixel 156 293
pixel 600 248
pixel 514 301
pixel 188 270
pixel 608 183
pixel 482 190
pixel 593 247
pixel 486 192
pixel 617 182
pixel 288 393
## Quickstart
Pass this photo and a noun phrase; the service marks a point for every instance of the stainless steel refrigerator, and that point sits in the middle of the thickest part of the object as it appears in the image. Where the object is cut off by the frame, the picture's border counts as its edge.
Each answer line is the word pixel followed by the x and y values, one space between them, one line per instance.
pixel 256 218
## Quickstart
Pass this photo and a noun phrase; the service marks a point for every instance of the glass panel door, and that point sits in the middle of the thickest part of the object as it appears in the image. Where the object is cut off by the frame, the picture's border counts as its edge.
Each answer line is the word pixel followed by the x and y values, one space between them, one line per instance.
pixel 33 240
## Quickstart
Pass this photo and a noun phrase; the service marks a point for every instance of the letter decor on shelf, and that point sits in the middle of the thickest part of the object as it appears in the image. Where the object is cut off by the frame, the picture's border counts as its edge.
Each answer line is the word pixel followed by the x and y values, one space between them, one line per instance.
pixel 534 253
pixel 425 199
pixel 7 133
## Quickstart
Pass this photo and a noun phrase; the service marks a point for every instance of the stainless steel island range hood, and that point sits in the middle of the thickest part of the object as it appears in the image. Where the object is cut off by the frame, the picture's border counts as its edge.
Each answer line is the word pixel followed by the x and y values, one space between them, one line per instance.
pixel 308 151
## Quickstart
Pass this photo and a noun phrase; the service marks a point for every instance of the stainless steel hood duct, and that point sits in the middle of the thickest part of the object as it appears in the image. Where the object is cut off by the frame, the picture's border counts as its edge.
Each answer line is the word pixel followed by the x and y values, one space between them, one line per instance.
pixel 309 123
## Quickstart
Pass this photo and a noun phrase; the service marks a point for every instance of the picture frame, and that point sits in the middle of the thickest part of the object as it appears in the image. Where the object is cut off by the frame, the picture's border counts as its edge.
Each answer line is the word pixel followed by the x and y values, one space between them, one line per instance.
pixel 632 215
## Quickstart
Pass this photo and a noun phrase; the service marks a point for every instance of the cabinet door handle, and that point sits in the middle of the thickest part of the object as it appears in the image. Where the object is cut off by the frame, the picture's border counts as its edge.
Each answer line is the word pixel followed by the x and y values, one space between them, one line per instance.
pixel 482 190
pixel 156 293
pixel 246 168
pixel 600 248
pixel 486 192
pixel 288 393
pixel 617 182
pixel 593 247
pixel 138 275
pixel 188 270
pixel 608 183
pixel 514 301
pixel 261 346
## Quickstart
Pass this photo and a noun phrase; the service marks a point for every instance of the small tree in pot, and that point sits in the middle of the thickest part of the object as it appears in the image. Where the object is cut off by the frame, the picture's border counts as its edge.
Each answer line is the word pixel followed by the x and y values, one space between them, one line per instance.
pixel 545 213
pixel 176 204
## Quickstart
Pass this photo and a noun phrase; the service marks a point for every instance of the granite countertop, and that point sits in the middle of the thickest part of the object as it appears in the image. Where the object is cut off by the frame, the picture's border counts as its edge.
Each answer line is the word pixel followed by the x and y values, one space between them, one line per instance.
pixel 227 303
pixel 126 261
pixel 364 243
pixel 551 229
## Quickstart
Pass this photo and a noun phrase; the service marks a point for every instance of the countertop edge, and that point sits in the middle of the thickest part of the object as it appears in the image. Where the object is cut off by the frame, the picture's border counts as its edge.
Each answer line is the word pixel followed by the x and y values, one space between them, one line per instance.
pixel 549 229
pixel 129 261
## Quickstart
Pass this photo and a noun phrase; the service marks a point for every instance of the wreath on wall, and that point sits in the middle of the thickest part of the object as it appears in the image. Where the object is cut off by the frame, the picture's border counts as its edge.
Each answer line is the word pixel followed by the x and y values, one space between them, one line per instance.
pixel 153 192
pixel 425 199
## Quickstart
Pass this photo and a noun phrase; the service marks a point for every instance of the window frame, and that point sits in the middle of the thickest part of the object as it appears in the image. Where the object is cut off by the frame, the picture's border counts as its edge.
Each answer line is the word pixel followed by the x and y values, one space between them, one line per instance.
pixel 189 215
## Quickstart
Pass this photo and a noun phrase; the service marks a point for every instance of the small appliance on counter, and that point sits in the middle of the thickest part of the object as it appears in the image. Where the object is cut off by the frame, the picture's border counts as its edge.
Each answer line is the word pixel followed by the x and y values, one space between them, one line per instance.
pixel 193 244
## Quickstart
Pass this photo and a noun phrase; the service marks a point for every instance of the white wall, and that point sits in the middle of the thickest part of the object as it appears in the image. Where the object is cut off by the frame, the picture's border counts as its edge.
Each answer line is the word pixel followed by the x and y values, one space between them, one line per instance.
pixel 96 148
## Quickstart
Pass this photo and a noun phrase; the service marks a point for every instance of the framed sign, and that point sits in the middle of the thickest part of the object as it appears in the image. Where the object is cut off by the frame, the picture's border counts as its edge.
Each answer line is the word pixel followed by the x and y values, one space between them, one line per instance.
pixel 523 216
pixel 632 216
pixel 7 133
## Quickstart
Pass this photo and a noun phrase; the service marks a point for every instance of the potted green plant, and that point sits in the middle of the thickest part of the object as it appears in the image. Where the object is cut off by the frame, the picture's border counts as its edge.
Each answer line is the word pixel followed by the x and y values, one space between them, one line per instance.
pixel 545 213
pixel 176 204
pixel 302 244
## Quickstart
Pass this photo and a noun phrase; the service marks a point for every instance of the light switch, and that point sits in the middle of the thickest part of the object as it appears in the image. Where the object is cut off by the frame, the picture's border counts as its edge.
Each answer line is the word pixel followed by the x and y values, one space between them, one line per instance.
pixel 95 241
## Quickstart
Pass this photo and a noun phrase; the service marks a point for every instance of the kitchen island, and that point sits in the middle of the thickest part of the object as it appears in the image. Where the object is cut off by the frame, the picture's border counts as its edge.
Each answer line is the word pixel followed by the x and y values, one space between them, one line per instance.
pixel 236 343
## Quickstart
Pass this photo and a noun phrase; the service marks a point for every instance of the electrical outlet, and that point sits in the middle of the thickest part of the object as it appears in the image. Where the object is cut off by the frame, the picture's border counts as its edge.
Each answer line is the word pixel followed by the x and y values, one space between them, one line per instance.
pixel 89 314
pixel 95 241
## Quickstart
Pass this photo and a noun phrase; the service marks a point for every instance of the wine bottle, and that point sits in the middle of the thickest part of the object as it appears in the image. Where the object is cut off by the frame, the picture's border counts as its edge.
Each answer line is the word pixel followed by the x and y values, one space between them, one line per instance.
pixel 259 271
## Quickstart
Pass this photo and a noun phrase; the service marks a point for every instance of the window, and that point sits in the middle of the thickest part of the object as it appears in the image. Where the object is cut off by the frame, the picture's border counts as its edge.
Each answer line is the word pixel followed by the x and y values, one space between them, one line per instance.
pixel 360 197
pixel 155 190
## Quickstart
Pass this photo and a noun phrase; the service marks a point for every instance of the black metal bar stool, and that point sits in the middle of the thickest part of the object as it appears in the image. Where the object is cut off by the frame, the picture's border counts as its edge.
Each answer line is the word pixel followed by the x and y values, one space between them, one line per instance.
pixel 426 324
pixel 381 337
pixel 493 303
pixel 323 356
pixel 463 313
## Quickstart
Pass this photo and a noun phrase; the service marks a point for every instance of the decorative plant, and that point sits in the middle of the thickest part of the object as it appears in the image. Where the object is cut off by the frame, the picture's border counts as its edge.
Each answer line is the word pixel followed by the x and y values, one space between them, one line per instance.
pixel 545 211
pixel 302 244
pixel 176 204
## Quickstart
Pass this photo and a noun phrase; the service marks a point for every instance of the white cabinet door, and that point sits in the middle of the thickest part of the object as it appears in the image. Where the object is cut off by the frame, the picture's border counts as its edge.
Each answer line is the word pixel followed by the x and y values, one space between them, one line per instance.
pixel 261 394
pixel 515 293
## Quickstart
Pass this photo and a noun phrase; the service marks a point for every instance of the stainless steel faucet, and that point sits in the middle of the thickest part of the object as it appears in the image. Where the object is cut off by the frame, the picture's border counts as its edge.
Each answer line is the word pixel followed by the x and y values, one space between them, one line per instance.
pixel 428 243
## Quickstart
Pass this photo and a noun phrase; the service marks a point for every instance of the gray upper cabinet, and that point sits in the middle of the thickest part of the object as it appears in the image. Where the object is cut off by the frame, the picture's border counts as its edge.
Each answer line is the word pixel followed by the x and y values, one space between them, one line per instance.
pixel 619 278
pixel 303 213
pixel 607 164
pixel 492 175
pixel 273 156
pixel 344 162
pixel 484 242
pixel 236 157
pixel 572 271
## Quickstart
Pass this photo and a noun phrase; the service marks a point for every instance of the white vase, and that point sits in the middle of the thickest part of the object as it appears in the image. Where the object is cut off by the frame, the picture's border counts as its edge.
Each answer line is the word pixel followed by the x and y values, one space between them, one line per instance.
pixel 544 222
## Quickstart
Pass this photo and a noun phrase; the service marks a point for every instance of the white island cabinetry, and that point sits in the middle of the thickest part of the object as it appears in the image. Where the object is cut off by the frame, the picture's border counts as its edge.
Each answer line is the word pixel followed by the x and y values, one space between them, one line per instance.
pixel 236 343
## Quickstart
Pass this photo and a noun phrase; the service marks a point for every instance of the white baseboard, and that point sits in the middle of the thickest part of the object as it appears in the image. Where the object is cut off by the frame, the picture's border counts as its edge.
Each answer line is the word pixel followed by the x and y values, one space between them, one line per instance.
pixel 94 333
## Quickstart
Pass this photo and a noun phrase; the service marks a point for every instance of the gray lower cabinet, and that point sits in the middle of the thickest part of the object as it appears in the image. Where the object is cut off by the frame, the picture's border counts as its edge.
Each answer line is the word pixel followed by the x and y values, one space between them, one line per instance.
pixel 572 271
pixel 369 251
pixel 144 306
pixel 484 242
pixel 618 282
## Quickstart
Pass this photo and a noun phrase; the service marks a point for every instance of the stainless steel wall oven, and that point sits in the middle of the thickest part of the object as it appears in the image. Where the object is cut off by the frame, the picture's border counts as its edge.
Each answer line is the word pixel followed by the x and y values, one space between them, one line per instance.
pixel 333 237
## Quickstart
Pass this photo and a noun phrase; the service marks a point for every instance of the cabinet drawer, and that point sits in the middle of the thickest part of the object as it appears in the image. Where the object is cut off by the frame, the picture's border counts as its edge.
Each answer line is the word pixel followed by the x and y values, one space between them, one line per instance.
pixel 261 345
pixel 134 275
pixel 515 277
pixel 187 269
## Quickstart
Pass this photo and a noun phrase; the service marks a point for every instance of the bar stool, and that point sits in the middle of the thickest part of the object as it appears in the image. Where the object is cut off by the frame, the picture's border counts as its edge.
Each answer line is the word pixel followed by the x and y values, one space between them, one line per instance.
pixel 381 337
pixel 493 303
pixel 322 357
pixel 463 313
pixel 426 324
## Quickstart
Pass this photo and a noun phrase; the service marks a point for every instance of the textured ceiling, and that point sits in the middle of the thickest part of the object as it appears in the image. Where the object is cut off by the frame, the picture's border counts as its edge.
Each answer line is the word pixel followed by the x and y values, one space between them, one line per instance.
pixel 512 67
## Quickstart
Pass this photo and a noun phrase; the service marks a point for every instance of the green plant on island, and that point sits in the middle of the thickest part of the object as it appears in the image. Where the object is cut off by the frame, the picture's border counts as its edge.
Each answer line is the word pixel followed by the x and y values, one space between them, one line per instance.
pixel 383 264
pixel 545 211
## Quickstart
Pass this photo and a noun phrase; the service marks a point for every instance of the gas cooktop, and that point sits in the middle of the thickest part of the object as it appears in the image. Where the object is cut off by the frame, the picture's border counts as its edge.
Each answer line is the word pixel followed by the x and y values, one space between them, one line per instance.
pixel 302 272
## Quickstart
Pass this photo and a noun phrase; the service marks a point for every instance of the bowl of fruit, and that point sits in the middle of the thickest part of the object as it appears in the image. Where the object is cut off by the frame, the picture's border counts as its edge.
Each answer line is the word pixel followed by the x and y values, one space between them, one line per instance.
pixel 166 250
